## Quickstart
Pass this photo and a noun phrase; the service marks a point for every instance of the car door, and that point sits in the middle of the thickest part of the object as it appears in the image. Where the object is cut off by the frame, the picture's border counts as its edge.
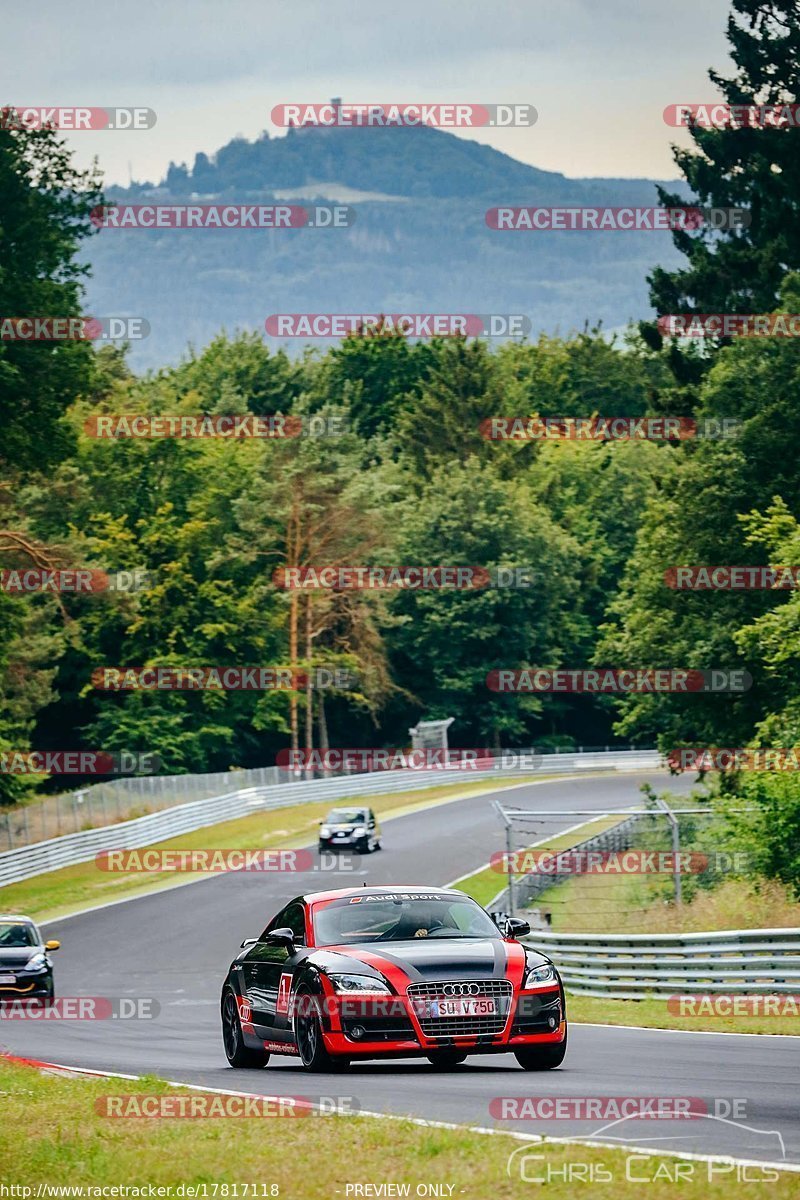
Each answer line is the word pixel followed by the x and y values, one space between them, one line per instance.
pixel 268 969
pixel 374 830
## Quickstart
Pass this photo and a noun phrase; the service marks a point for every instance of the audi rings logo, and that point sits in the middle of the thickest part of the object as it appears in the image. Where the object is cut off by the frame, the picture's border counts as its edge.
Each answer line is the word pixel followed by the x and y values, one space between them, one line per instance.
pixel 461 989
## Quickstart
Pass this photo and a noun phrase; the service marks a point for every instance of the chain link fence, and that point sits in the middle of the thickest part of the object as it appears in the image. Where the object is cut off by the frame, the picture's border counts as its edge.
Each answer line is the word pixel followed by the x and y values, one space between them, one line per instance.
pixel 610 867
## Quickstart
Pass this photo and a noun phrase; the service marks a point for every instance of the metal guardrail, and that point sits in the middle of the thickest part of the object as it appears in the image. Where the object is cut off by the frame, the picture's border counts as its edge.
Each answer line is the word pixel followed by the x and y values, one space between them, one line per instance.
pixel 634 966
pixel 74 848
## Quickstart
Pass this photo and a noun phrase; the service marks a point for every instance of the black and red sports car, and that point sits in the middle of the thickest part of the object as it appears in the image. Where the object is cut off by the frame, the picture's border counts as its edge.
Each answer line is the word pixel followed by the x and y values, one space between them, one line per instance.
pixel 391 972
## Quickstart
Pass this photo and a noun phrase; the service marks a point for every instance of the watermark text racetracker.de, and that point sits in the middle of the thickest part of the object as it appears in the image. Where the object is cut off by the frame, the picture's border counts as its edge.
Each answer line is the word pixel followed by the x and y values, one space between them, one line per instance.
pixel 358 759
pixel 713 115
pixel 729 325
pixel 720 1004
pixel 73 329
pixel 78 762
pixel 75 119
pixel 617 862
pixel 85 581
pixel 605 429
pixel 352 115
pixel 614 1108
pixel 412 325
pixel 734 758
pixel 223 216
pixel 732 578
pixel 220 678
pixel 418 577
pixel 78 1008
pixel 150 860
pixel 215 1105
pixel 228 426
pixel 618 680
pixel 635 219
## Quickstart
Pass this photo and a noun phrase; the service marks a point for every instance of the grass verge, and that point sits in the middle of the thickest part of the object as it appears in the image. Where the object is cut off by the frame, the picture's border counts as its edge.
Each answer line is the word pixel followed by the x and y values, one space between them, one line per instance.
pixel 59 893
pixel 652 1013
pixel 66 1142
pixel 640 904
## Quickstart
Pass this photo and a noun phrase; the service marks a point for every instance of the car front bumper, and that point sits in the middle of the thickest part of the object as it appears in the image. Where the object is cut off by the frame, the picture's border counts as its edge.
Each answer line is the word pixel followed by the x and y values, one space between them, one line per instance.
pixel 391 1026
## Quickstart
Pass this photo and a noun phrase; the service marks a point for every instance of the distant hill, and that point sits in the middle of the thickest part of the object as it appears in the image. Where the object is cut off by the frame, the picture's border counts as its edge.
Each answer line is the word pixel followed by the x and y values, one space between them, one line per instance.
pixel 419 243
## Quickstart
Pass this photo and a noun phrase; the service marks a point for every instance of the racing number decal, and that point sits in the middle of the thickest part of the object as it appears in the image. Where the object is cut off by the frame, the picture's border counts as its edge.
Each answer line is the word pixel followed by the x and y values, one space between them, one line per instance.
pixel 284 987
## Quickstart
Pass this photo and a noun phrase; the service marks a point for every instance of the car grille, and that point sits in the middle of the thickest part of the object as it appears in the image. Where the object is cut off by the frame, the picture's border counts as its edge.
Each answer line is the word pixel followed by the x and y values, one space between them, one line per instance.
pixel 449 1027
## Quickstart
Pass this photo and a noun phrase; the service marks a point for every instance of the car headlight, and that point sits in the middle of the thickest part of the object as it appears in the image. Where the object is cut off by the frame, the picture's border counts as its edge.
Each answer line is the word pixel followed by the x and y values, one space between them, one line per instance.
pixel 539 975
pixel 359 983
pixel 37 963
pixel 325 831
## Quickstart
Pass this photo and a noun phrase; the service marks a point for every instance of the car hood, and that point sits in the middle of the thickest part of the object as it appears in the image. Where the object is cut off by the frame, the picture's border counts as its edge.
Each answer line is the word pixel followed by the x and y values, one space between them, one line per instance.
pixel 422 960
pixel 17 956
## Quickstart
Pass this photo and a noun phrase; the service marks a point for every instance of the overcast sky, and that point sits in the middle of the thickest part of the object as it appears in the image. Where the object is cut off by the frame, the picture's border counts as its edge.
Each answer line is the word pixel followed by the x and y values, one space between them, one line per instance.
pixel 599 73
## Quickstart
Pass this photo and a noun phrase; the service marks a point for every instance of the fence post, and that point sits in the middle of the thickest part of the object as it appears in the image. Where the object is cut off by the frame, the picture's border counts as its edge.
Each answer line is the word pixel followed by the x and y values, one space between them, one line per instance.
pixel 676 849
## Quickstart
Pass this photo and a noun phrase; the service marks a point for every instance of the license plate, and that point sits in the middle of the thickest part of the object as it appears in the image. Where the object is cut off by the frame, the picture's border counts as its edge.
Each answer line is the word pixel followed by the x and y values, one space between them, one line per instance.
pixel 474 1006
pixel 8 979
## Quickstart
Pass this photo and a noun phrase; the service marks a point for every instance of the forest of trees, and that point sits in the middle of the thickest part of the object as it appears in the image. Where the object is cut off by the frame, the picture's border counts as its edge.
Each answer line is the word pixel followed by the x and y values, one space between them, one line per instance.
pixel 409 479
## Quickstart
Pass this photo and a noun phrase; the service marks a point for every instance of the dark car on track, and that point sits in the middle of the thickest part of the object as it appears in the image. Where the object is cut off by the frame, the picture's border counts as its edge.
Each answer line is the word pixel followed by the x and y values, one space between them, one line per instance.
pixel 351 828
pixel 26 968
pixel 391 972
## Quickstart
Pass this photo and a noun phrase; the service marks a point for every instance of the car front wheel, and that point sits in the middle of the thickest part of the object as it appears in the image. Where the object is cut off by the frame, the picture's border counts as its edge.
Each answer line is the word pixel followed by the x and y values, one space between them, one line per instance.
pixel 543 1057
pixel 236 1052
pixel 308 1034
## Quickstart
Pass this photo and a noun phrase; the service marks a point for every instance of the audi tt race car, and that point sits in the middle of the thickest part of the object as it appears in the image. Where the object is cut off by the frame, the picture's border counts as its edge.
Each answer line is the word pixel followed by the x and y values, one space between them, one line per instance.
pixel 26 968
pixel 391 972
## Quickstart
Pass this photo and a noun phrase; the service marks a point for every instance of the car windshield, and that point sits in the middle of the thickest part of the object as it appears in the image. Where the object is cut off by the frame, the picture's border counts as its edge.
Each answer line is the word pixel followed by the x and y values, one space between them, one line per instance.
pixel 386 918
pixel 346 816
pixel 16 933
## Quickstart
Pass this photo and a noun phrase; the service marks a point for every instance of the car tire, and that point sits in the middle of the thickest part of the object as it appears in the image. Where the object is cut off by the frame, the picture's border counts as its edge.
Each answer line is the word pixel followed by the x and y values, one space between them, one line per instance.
pixel 48 996
pixel 236 1052
pixel 377 845
pixel 363 846
pixel 541 1058
pixel 308 1036
pixel 444 1060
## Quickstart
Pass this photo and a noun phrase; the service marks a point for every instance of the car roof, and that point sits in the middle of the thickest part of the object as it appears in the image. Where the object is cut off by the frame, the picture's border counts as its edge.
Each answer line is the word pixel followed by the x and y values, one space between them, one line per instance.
pixel 17 918
pixel 387 889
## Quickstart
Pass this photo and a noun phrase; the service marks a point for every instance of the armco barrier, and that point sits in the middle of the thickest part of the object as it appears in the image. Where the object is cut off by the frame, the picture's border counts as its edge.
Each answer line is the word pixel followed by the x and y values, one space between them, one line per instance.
pixel 74 848
pixel 633 966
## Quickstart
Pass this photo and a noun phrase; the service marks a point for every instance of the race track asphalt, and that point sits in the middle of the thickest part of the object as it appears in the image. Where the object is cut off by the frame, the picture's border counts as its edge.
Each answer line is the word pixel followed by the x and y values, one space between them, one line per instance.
pixel 175 946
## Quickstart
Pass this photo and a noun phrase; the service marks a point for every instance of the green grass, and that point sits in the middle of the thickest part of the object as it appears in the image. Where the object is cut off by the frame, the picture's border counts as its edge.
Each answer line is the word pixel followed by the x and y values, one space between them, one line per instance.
pixel 653 1014
pixel 52 1134
pixel 71 889
pixel 640 904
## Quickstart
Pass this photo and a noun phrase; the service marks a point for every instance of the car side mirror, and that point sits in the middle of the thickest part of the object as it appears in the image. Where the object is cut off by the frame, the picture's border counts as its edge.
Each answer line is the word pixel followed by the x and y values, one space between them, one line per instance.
pixel 280 937
pixel 516 928
pixel 248 942
pixel 52 945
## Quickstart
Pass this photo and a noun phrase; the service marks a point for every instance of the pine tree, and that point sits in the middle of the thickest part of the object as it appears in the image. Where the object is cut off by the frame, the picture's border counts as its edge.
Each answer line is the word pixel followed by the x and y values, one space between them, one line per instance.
pixel 754 168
